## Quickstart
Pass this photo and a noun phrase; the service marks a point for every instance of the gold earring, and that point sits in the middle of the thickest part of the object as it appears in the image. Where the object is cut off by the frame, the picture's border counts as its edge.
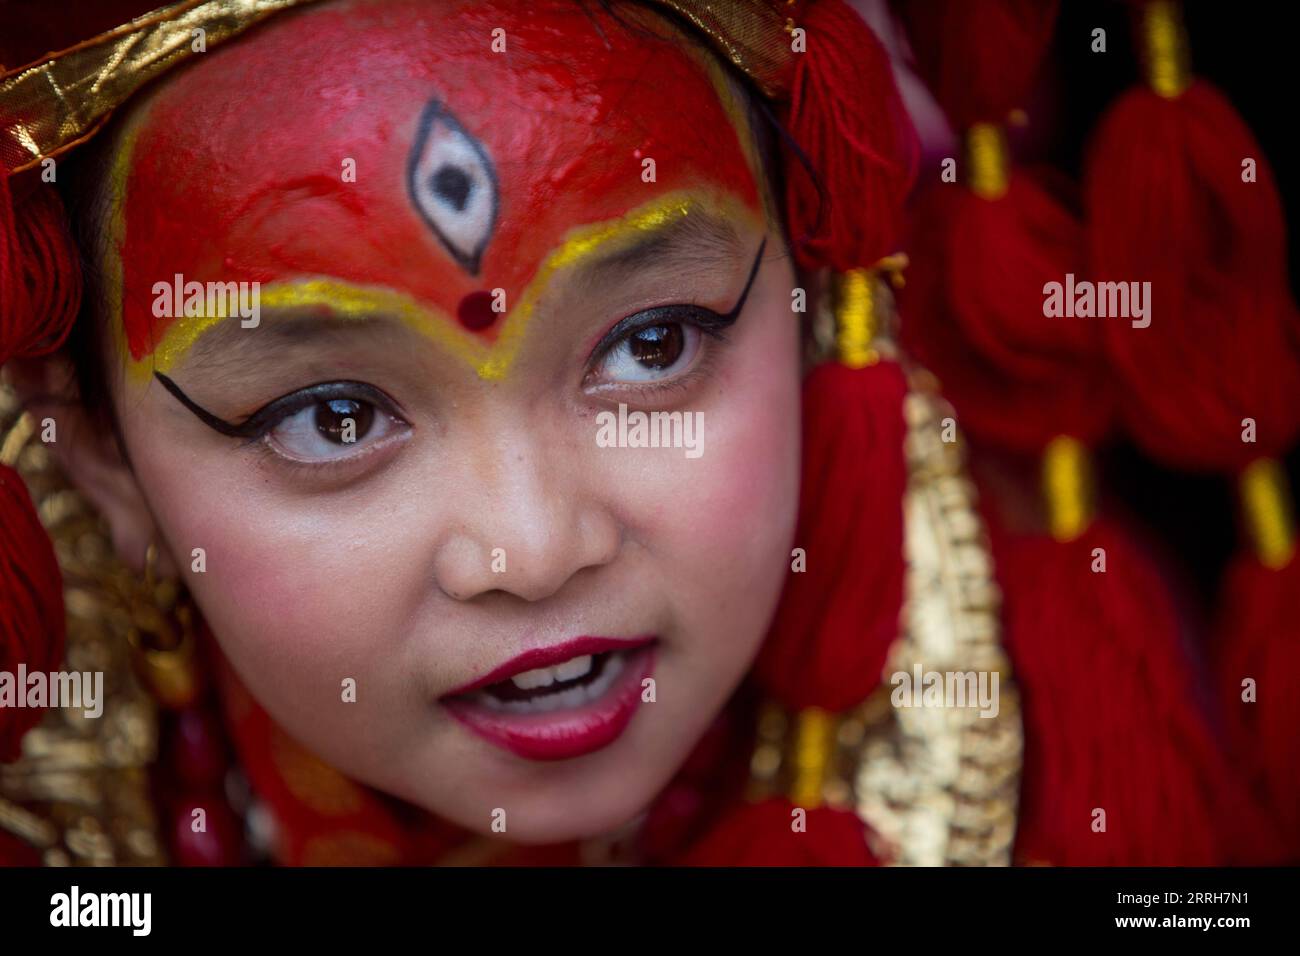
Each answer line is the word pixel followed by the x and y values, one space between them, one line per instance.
pixel 161 632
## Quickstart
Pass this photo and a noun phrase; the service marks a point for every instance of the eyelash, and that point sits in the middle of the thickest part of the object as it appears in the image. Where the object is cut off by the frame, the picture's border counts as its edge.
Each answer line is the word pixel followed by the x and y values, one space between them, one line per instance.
pixel 257 427
pixel 710 324
pixel 262 422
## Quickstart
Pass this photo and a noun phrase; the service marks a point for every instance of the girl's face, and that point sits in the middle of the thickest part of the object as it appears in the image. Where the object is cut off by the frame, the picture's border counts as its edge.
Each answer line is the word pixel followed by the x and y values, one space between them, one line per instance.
pixel 477 234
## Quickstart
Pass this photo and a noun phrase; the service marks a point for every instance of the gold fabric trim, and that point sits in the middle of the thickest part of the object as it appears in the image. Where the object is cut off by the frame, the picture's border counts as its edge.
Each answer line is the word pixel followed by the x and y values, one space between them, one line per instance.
pixel 752 34
pixel 52 105
pixel 79 792
pixel 941 786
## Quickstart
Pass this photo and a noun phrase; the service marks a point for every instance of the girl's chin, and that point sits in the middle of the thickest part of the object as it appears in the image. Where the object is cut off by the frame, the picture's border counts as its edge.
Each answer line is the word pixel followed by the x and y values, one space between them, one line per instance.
pixel 557 819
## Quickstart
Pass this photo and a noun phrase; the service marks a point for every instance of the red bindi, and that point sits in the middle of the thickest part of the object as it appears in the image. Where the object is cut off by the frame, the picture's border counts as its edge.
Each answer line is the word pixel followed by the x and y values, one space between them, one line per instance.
pixel 475 311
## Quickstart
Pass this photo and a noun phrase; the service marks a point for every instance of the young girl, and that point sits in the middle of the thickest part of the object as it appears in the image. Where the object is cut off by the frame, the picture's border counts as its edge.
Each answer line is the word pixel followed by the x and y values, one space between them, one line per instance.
pixel 359 288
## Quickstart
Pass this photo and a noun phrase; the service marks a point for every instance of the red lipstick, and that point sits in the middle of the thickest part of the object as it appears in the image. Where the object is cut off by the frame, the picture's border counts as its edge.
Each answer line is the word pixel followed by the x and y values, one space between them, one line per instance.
pixel 558 702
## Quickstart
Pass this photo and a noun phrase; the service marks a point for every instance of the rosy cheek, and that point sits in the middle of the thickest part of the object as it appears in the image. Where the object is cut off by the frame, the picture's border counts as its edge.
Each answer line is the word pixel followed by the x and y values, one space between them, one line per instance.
pixel 270 587
pixel 725 519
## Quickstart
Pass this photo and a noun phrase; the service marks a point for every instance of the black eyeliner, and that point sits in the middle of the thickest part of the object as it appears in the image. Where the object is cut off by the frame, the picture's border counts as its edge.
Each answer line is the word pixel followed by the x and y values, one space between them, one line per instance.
pixel 258 423
pixel 202 414
pixel 708 320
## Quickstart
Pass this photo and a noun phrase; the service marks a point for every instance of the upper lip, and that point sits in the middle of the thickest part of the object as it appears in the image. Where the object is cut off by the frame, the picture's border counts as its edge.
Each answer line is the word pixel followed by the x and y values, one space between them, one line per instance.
pixel 550 656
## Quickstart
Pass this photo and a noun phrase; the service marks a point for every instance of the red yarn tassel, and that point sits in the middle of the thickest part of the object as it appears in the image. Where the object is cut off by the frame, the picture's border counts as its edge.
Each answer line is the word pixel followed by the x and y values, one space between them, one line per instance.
pixel 848 120
pixel 836 619
pixel 40 290
pixel 1167 204
pixel 980 59
pixel 1258 637
pixel 1257 652
pixel 1111 718
pixel 31 596
pixel 40 279
pixel 974 305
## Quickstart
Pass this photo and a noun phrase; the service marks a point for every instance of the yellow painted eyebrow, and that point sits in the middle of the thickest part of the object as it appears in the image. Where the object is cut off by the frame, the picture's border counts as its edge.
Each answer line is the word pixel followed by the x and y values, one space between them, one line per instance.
pixel 490 360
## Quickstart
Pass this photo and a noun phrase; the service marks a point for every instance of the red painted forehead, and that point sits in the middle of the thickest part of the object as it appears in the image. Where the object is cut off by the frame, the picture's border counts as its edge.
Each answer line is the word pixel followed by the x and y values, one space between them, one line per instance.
pixel 470 165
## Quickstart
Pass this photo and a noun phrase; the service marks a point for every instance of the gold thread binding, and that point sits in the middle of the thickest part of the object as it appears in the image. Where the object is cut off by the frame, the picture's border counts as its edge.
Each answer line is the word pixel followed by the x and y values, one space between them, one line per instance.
pixel 1165 52
pixel 1266 505
pixel 1067 487
pixel 986 152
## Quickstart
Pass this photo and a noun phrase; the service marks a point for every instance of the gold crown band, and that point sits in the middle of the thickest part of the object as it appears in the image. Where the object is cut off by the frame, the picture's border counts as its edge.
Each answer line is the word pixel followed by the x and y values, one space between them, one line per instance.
pixel 58 102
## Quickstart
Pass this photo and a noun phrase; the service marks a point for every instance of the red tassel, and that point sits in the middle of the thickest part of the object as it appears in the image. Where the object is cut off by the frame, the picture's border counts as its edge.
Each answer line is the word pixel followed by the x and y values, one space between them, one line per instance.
pixel 40 290
pixel 1111 718
pixel 849 121
pixel 974 306
pixel 979 59
pixel 1167 205
pixel 761 834
pixel 31 595
pixel 40 280
pixel 837 619
pixel 1258 637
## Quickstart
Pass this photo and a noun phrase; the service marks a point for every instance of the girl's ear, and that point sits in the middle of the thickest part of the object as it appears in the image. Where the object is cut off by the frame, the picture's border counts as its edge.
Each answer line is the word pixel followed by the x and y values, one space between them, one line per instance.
pixel 89 454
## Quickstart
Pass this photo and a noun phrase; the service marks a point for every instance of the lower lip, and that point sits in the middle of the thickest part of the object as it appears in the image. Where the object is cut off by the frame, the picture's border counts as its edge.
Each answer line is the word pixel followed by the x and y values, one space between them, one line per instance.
pixel 562 734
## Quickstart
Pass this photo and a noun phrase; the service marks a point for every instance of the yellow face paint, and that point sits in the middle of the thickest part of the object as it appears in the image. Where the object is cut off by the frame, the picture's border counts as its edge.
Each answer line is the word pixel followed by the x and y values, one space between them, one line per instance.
pixel 490 360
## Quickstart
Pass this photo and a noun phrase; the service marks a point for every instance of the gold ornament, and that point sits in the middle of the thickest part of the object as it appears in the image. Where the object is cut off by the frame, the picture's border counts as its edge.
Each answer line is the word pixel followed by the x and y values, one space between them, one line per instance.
pixel 79 793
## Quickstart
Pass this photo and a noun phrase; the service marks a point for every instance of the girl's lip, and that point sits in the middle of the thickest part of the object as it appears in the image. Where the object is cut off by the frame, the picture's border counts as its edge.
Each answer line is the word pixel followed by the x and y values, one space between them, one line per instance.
pixel 562 734
pixel 550 656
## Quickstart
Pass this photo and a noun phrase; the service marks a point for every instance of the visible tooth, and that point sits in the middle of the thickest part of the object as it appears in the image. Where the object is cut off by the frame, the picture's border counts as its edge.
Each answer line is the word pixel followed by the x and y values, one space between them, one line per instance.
pixel 572 670
pixel 596 689
pixel 573 697
pixel 531 680
pixel 559 699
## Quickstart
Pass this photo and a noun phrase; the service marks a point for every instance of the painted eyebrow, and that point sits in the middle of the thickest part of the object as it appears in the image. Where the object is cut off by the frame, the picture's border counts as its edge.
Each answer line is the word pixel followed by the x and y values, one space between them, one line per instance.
pixel 639 319
pixel 229 352
pixel 698 240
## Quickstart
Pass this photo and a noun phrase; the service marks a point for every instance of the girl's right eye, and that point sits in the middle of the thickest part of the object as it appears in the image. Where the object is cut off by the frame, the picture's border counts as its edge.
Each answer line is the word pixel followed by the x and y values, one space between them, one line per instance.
pixel 331 429
pixel 650 354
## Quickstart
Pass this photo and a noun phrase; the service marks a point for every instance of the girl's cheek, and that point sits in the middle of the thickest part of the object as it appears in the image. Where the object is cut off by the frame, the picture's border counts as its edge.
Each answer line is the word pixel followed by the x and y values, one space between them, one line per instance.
pixel 723 522
pixel 281 594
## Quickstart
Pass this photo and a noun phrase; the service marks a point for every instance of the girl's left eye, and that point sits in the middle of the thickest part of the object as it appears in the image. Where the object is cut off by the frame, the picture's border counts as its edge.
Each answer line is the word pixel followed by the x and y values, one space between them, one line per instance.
pixel 650 354
pixel 331 429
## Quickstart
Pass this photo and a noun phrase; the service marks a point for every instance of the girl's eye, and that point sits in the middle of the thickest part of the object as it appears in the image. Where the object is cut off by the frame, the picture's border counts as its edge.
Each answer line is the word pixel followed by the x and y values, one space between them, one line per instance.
pixel 650 354
pixel 330 429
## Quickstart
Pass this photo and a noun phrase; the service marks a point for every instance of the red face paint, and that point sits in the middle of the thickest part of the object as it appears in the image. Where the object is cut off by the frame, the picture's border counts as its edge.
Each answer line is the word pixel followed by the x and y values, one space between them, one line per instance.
pixel 237 171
